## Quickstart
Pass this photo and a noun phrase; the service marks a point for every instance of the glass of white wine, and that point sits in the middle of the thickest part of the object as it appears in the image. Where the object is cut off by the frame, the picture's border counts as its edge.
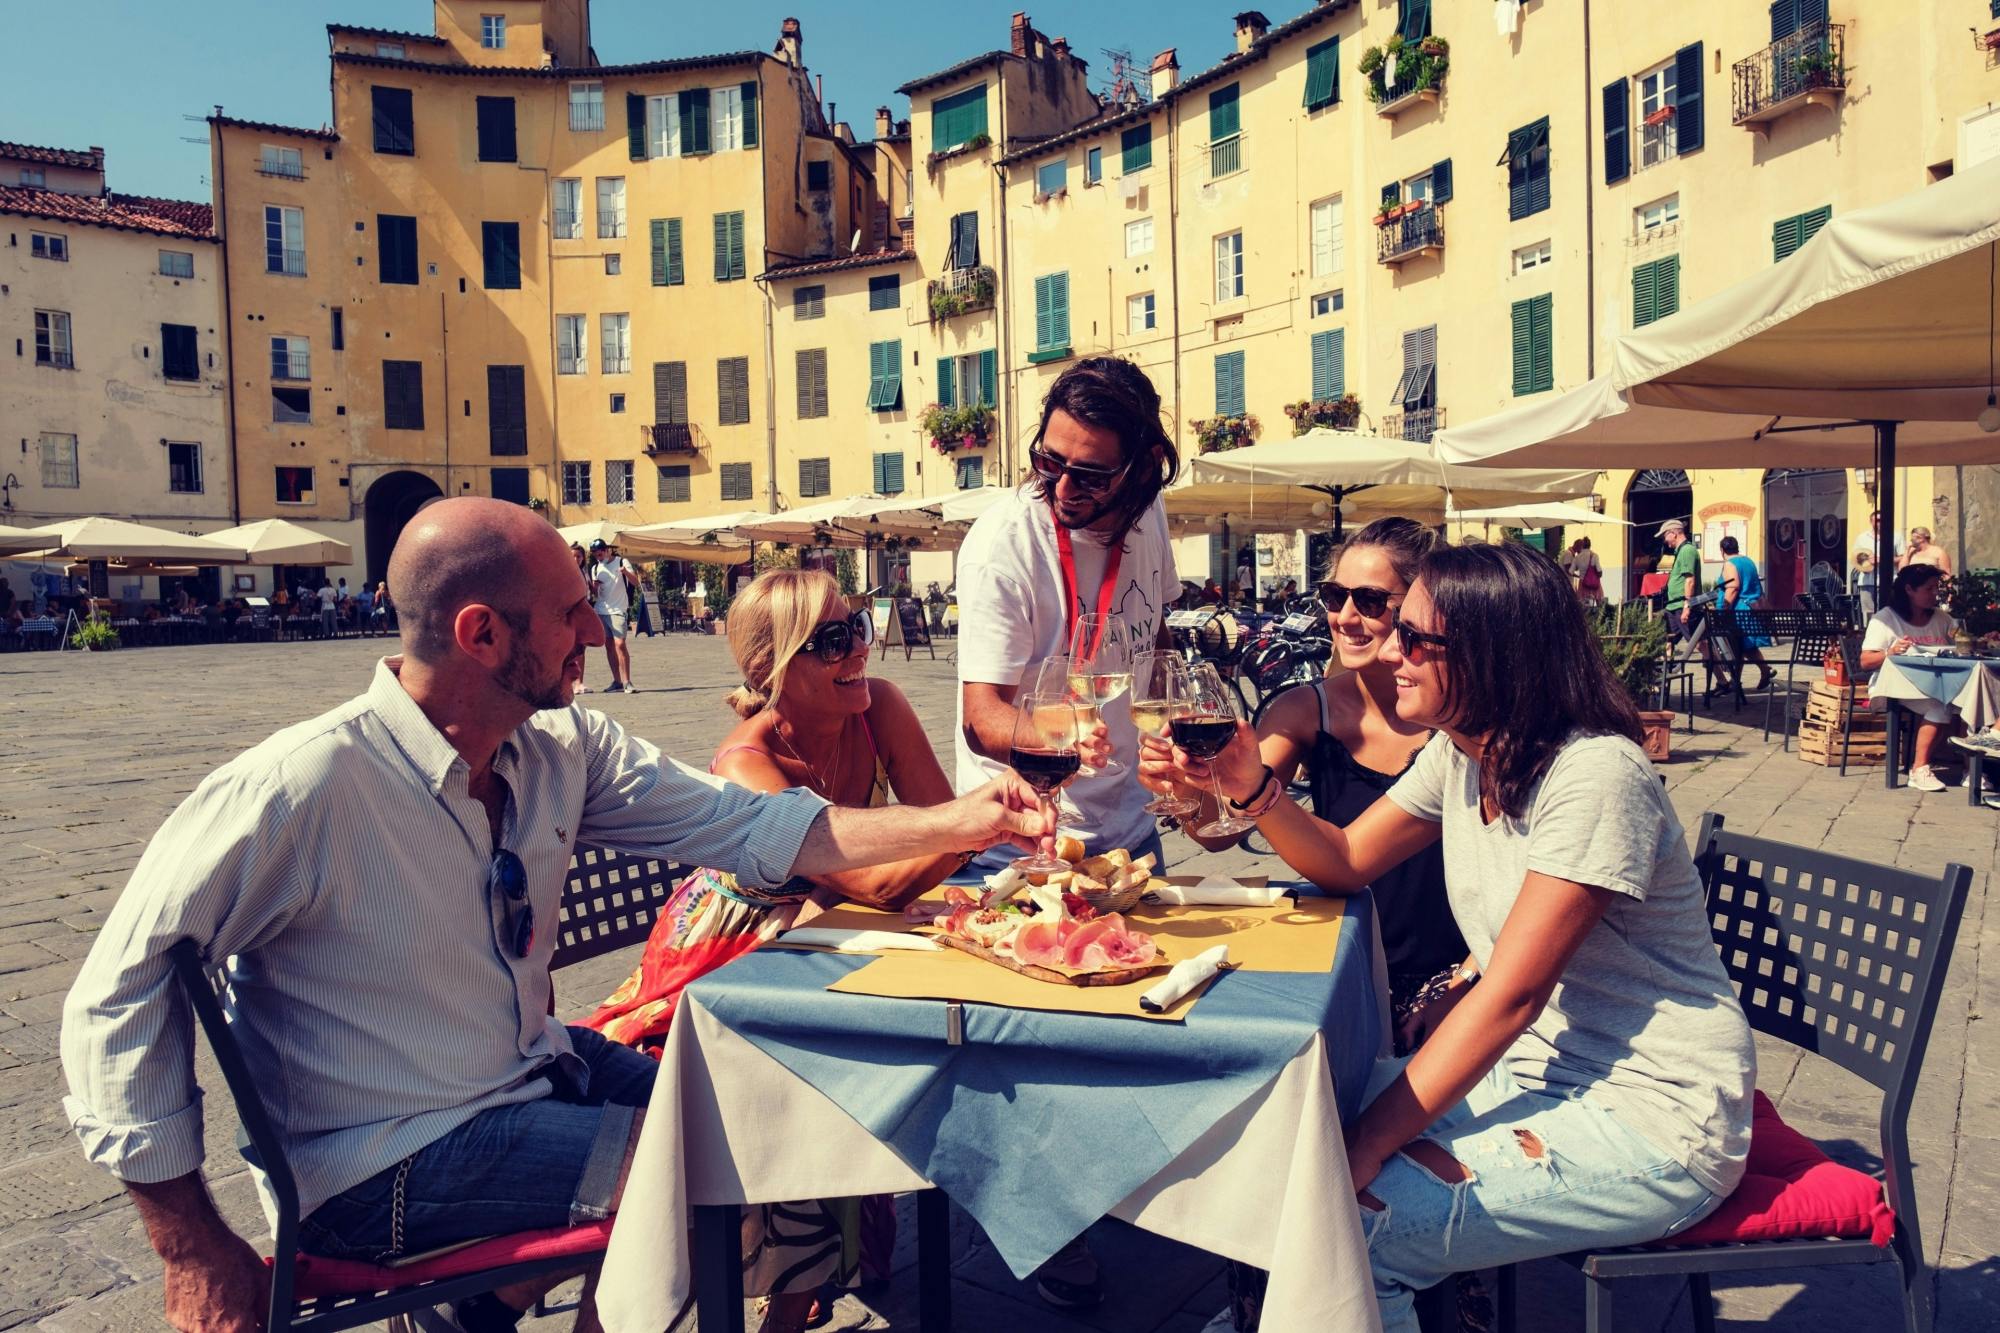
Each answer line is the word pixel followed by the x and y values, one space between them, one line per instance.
pixel 1059 676
pixel 1100 657
pixel 1159 694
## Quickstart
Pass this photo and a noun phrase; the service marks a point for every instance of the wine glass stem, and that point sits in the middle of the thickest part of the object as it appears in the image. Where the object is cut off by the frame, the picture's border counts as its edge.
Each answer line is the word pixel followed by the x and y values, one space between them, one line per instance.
pixel 1215 785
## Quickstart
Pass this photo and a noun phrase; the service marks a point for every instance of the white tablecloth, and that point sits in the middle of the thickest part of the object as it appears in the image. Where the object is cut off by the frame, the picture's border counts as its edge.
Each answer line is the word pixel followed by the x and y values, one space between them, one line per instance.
pixel 1267 1184
pixel 1977 701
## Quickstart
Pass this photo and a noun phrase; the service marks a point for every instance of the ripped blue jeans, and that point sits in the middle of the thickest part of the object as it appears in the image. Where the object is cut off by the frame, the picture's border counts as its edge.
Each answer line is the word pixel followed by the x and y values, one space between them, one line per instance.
pixel 1547 1174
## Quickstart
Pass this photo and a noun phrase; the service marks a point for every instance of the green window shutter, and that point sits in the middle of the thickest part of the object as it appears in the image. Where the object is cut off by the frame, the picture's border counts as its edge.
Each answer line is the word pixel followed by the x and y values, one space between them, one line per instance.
pixel 1059 309
pixel 881 479
pixel 1441 182
pixel 989 378
pixel 750 114
pixel 1688 99
pixel 1784 19
pixel 1322 366
pixel 874 374
pixel 635 126
pixel 947 381
pixel 1322 74
pixel 1225 114
pixel 1416 19
pixel 971 472
pixel 1523 335
pixel 1541 351
pixel 736 269
pixel 1645 295
pixel 958 119
pixel 1784 239
pixel 1137 146
pixel 1669 285
pixel 892 371
pixel 892 474
pixel 1042 312
pixel 658 228
pixel 1617 131
pixel 694 120
pixel 676 271
pixel 1229 384
pixel 722 247
pixel 1810 223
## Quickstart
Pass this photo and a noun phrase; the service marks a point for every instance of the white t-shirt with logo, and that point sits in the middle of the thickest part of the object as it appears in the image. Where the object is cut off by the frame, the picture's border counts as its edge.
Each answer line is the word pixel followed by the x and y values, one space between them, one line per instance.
pixel 1012 616
pixel 608 576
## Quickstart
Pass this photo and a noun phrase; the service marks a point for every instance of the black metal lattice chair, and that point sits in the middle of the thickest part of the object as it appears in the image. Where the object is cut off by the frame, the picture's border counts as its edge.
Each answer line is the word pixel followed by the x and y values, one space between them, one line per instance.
pixel 610 902
pixel 1844 958
pixel 1816 637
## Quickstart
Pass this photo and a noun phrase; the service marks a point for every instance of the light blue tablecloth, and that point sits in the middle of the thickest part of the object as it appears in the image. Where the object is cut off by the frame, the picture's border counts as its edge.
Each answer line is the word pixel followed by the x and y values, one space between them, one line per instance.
pixel 1041 1123
pixel 1939 678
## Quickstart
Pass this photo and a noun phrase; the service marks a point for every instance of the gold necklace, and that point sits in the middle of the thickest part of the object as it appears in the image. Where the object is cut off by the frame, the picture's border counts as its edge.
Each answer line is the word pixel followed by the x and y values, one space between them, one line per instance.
pixel 825 783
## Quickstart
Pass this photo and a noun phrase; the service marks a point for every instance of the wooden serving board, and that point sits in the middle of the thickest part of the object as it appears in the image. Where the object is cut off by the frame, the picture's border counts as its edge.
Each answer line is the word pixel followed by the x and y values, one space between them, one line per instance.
pixel 1112 977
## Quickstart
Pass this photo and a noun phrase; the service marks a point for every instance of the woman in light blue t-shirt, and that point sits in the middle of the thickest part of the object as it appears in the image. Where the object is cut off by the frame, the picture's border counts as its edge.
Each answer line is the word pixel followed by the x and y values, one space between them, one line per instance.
pixel 1593 1086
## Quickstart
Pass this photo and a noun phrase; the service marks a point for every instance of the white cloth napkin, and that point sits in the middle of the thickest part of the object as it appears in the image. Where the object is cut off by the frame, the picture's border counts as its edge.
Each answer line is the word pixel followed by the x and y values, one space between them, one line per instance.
pixel 857 941
pixel 1216 891
pixel 1183 978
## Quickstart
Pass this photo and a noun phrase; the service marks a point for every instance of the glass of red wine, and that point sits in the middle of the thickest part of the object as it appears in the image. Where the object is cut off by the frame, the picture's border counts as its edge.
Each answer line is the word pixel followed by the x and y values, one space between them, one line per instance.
pixel 1044 754
pixel 1204 727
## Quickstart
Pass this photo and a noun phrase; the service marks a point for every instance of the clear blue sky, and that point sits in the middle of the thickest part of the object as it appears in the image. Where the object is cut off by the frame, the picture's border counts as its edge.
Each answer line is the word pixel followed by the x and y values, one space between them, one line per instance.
pixel 124 74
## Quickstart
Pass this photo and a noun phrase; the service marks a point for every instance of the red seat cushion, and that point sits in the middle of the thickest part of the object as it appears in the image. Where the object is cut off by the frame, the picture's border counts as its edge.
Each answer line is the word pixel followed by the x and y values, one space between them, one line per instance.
pixel 1793 1191
pixel 316 1276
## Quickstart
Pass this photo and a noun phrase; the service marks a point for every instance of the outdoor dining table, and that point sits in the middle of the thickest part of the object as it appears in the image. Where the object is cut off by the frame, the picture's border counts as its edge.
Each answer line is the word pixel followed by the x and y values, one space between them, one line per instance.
pixel 1970 685
pixel 1221 1130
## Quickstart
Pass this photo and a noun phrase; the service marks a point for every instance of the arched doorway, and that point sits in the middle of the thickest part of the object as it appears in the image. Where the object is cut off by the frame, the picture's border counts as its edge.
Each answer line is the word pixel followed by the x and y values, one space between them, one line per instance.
pixel 392 501
pixel 1655 495
pixel 1805 533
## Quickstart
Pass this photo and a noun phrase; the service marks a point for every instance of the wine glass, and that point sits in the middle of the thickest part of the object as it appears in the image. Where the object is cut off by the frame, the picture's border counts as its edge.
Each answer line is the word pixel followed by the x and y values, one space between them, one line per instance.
pixel 1159 692
pixel 1058 676
pixel 1044 754
pixel 1204 727
pixel 1100 655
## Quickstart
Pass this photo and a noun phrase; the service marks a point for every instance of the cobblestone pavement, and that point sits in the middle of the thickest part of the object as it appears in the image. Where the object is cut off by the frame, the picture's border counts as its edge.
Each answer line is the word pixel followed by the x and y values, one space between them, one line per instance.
pixel 97 749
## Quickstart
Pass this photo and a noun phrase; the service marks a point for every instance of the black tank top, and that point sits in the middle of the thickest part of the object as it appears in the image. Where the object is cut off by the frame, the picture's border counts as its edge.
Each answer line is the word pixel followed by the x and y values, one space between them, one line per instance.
pixel 1419 936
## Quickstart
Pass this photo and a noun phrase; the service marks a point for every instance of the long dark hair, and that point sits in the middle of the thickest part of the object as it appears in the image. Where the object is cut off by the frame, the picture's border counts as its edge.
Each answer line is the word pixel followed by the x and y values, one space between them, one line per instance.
pixel 1908 578
pixel 1522 665
pixel 1115 395
pixel 1404 540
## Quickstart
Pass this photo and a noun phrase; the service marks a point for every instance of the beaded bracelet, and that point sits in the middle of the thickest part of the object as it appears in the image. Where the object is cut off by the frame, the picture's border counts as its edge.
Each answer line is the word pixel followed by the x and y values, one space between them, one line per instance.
pixel 1259 797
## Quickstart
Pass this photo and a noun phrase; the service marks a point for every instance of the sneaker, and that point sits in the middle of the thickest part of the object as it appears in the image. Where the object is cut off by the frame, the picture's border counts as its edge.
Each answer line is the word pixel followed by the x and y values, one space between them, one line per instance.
pixel 1069 1279
pixel 1991 800
pixel 614 688
pixel 1922 778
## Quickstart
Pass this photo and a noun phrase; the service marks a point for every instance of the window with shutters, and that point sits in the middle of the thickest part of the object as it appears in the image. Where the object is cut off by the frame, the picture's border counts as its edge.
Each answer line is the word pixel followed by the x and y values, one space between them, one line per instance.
pixel 618 482
pixel 394 121
pixel 1417 389
pixel 663 126
pixel 180 356
pixel 610 208
pixel 507 410
pixel 291 358
pixel 1135 148
pixel 1323 74
pixel 1656 115
pixel 285 241
pixel 1093 166
pixel 888 474
pixel 811 375
pixel 566 195
pixel 815 478
pixel 403 395
pixel 885 293
pixel 693 106
pixel 885 375
pixel 586 106
pixel 1531 256
pixel 53 346
pixel 496 129
pixel 964 242
pixel 614 342
pixel 1140 314
pixel 669 270
pixel 500 243
pixel 59 461
pixel 176 264
pixel 1051 316
pixel 1051 178
pixel 1225 132
pixel 1229 396
pixel 729 246
pixel 1534 353
pixel 736 481
pixel 508 483
pixel 576 482
pixel 971 472
pixel 396 249
pixel 572 345
pixel 967 381
pixel 294 486
pixel 1329 364
pixel 1228 267
pixel 1788 234
pixel 183 468
pixel 670 393
pixel 1656 290
pixel 809 302
pixel 732 391
pixel 1329 237
pixel 676 483
pixel 1527 160
pixel 1138 237
pixel 726 106
pixel 958 119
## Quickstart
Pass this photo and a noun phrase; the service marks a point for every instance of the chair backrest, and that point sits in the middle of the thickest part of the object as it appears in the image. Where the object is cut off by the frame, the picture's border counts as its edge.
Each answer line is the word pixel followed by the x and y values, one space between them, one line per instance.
pixel 610 901
pixel 1815 638
pixel 1841 957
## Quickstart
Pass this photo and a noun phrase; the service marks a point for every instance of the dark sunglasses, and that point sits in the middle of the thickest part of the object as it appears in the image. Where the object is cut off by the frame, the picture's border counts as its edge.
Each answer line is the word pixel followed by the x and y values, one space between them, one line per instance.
pixel 1093 480
pixel 836 639
pixel 1409 640
pixel 1370 602
pixel 510 877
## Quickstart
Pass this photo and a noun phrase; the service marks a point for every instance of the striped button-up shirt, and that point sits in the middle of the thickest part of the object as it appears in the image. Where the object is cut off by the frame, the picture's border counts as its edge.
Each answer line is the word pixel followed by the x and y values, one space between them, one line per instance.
pixel 343 864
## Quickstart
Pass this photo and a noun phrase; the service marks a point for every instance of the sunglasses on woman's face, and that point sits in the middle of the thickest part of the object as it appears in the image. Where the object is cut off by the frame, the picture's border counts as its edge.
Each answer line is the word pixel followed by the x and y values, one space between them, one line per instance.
pixel 837 638
pixel 1090 480
pixel 1409 640
pixel 1370 602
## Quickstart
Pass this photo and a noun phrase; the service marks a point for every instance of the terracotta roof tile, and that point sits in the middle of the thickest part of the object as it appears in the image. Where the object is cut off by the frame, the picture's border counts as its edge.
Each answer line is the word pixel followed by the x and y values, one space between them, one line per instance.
pixel 90 160
pixel 868 259
pixel 563 72
pixel 325 135
pixel 386 34
pixel 120 212
pixel 962 67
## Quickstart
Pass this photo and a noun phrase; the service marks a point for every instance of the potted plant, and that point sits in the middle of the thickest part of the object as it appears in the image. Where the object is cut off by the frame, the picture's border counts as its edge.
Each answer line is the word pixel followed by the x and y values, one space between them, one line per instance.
pixel 539 505
pixel 1382 218
pixel 1815 69
pixel 94 635
pixel 1634 644
pixel 1333 413
pixel 1972 599
pixel 953 428
pixel 1215 434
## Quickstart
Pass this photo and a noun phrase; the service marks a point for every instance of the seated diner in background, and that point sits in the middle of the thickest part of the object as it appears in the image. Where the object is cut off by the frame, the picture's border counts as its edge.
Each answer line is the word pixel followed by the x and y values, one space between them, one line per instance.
pixel 1912 618
pixel 1593 1088
pixel 396 988
pixel 1923 551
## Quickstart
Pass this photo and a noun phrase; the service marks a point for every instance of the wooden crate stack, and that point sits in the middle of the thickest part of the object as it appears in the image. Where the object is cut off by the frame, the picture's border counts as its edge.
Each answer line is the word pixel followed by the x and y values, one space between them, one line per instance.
pixel 1827 708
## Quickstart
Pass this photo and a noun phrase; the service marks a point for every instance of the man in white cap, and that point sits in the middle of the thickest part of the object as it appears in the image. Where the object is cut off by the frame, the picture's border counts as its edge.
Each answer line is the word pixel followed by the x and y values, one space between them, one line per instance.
pixel 1684 579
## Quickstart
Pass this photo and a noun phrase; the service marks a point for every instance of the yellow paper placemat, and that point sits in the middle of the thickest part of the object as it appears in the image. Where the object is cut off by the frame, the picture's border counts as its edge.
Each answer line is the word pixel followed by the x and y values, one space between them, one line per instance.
pixel 952 975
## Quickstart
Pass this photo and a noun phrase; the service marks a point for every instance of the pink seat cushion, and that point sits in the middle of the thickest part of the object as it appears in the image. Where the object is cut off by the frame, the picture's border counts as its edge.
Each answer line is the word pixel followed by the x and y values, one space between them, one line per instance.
pixel 1793 1191
pixel 316 1276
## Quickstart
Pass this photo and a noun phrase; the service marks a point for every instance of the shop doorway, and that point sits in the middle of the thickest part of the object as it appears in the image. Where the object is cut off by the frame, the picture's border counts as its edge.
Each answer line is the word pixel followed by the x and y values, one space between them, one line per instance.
pixel 1655 495
pixel 1805 533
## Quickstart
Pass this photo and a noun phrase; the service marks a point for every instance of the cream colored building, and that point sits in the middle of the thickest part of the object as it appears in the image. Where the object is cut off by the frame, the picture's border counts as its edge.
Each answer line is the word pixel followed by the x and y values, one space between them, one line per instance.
pixel 113 392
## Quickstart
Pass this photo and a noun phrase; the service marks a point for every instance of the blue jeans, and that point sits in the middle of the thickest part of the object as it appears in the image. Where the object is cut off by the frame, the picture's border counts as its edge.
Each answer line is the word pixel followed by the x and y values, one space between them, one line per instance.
pixel 553 1162
pixel 1594 1182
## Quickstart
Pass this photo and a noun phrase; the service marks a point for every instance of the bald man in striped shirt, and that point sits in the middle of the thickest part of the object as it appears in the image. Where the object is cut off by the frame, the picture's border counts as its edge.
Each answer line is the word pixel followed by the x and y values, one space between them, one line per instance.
pixel 373 878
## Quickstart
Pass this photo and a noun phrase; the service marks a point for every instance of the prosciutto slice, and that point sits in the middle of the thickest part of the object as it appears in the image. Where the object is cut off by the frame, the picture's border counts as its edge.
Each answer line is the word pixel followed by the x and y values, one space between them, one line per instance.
pixel 1106 942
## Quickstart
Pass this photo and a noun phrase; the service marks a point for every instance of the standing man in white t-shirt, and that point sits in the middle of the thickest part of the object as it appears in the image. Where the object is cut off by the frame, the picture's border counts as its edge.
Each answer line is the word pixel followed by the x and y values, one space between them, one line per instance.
pixel 612 580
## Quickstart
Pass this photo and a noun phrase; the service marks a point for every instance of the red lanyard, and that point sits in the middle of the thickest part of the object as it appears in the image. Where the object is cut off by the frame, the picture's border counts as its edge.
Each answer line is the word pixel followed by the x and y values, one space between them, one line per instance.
pixel 1104 591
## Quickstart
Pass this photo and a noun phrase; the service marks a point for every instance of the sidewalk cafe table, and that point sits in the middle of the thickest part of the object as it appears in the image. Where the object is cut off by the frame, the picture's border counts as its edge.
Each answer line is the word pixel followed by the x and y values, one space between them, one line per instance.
pixel 1969 685
pixel 1221 1130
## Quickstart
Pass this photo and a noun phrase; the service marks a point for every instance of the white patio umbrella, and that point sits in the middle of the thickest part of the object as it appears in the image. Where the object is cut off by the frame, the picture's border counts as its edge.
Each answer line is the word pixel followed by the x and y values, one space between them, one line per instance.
pixel 116 539
pixel 703 540
pixel 855 520
pixel 275 541
pixel 1876 340
pixel 21 539
pixel 1550 515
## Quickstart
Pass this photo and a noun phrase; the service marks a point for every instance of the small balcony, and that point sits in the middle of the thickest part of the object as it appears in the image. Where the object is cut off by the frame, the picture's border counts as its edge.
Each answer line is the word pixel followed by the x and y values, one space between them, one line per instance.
pixel 1405 74
pixel 1416 234
pixel 669 437
pixel 1416 424
pixel 1808 68
pixel 1225 157
pixel 961 291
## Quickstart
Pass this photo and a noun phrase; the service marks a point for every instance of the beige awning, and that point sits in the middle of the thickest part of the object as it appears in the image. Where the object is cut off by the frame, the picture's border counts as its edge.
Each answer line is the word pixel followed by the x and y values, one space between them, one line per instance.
pixel 276 541
pixel 117 539
pixel 703 540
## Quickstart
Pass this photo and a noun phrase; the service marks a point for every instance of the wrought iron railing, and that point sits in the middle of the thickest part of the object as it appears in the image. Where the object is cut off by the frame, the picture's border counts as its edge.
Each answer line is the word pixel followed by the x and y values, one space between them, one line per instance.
pixel 1811 59
pixel 1404 236
pixel 1225 157
pixel 1417 424
pixel 961 290
pixel 670 437
pixel 286 260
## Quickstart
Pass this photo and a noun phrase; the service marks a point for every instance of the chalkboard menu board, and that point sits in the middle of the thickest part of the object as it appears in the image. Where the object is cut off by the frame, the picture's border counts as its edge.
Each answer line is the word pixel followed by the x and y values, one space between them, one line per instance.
pixel 100 578
pixel 916 633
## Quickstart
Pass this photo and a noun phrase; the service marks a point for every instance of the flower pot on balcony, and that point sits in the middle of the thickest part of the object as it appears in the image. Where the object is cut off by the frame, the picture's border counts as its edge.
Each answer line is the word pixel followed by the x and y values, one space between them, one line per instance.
pixel 1382 218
